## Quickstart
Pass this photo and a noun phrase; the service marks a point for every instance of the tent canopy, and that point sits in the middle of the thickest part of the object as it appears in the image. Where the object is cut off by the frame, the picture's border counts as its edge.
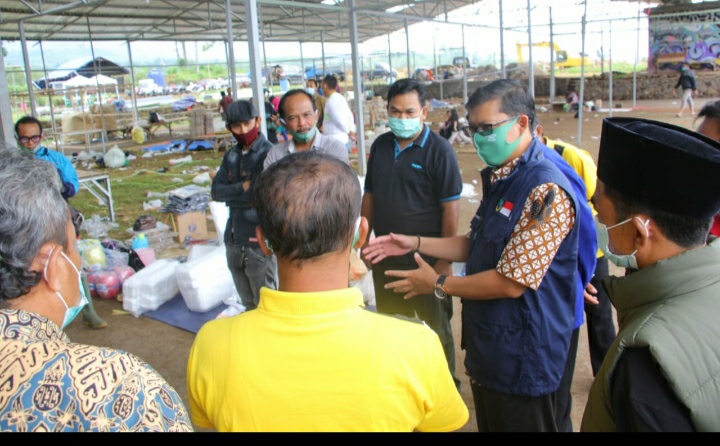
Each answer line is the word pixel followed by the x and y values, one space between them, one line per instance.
pixel 101 79
pixel 78 81
pixel 83 68
pixel 205 20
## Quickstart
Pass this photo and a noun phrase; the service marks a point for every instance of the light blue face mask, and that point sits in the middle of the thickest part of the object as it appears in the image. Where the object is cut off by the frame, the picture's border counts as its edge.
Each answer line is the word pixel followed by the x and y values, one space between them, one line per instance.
pixel 357 233
pixel 603 242
pixel 310 91
pixel 70 312
pixel 404 128
pixel 304 137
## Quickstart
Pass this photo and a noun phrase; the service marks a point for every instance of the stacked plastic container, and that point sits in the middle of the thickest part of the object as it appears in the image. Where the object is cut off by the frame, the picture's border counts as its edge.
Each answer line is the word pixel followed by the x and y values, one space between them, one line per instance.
pixel 151 287
pixel 205 280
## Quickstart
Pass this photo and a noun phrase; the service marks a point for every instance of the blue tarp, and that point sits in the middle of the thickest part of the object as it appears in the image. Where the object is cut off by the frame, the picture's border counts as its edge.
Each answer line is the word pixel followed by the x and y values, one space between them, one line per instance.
pixel 183 104
pixel 180 145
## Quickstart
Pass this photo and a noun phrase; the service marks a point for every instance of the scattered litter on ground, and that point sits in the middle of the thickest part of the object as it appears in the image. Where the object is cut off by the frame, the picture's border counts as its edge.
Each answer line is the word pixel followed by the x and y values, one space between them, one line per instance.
pixel 185 159
pixel 97 227
pixel 152 205
pixel 202 178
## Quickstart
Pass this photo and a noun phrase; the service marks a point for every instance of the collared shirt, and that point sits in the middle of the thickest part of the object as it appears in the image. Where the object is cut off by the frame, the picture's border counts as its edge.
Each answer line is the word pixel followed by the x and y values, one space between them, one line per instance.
pixel 337 118
pixel 409 186
pixel 548 216
pixel 48 384
pixel 318 361
pixel 321 143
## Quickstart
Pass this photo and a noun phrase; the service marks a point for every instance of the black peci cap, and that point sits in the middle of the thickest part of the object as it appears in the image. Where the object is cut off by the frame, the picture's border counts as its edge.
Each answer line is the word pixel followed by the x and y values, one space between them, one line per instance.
pixel 670 168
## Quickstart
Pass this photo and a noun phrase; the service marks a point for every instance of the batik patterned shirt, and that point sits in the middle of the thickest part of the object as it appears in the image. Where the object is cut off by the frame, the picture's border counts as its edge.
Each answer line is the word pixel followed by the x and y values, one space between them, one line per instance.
pixel 547 218
pixel 49 384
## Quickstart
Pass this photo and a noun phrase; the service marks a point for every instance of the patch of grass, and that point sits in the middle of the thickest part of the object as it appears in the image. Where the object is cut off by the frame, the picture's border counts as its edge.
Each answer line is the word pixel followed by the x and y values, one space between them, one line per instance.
pixel 131 185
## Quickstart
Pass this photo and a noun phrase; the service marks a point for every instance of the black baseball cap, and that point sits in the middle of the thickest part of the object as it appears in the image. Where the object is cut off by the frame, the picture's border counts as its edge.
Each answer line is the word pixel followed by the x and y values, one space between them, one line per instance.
pixel 240 111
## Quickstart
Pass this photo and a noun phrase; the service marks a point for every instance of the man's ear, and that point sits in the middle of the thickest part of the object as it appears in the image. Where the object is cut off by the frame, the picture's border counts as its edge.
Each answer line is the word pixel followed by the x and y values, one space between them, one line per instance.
pixel 363 229
pixel 641 223
pixel 263 242
pixel 55 266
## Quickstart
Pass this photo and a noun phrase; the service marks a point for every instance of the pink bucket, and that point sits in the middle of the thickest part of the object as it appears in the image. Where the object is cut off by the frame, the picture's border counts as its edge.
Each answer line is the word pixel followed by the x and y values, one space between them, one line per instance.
pixel 147 255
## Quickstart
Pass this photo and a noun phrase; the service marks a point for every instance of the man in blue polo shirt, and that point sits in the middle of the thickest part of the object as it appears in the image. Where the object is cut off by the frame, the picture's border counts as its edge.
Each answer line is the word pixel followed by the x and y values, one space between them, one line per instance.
pixel 413 186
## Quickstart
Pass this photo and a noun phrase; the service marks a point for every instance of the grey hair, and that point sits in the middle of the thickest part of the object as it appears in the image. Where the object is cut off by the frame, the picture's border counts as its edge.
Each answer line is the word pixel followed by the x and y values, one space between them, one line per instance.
pixel 32 213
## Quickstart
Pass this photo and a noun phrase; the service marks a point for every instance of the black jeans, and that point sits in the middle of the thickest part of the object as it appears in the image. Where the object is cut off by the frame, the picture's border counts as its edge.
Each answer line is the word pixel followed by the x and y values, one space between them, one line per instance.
pixel 502 412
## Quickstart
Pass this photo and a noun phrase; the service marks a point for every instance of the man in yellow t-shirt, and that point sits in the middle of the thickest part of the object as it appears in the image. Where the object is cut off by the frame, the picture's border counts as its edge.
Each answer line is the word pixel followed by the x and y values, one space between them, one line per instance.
pixel 598 309
pixel 310 357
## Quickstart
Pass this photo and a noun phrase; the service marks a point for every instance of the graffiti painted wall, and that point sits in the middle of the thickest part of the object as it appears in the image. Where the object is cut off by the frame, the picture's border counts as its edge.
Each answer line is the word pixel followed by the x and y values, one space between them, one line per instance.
pixel 696 35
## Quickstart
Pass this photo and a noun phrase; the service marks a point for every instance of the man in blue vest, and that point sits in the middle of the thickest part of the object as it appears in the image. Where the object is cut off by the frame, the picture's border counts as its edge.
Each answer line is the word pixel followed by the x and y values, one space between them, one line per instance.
pixel 519 290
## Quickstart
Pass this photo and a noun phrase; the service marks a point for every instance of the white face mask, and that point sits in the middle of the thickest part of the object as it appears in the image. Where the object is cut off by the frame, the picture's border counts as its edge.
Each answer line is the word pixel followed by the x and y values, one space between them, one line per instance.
pixel 70 312
pixel 603 241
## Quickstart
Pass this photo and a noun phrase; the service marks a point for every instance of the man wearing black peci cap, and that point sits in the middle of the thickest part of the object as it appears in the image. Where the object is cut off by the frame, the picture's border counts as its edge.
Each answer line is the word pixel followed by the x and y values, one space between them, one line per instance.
pixel 234 185
pixel 656 196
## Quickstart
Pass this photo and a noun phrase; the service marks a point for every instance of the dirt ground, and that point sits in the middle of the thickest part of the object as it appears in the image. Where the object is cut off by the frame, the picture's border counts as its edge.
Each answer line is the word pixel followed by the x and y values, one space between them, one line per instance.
pixel 166 348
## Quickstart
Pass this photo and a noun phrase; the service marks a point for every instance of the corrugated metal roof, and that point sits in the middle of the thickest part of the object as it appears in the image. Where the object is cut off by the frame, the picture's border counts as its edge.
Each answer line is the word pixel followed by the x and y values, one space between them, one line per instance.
pixel 282 20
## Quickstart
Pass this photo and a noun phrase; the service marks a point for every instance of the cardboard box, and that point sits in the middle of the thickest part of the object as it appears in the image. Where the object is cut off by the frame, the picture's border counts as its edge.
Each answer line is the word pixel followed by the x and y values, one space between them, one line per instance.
pixel 191 226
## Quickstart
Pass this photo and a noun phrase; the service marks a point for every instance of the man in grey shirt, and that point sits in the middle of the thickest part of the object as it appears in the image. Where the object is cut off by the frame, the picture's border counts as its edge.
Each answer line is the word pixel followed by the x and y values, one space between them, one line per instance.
pixel 298 115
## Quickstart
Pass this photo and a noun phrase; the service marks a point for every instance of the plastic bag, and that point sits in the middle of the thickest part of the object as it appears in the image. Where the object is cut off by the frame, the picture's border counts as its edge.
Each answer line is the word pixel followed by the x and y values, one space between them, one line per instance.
pixel 137 134
pixel 97 227
pixel 202 178
pixel 93 255
pixel 114 158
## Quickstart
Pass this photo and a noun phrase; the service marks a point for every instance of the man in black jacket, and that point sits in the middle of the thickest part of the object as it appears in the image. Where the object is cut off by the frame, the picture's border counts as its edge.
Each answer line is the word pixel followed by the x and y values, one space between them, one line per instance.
pixel 689 86
pixel 234 184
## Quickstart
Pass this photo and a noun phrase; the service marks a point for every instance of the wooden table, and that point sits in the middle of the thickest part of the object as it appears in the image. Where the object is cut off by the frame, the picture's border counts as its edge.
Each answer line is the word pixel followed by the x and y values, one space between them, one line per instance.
pixel 98 184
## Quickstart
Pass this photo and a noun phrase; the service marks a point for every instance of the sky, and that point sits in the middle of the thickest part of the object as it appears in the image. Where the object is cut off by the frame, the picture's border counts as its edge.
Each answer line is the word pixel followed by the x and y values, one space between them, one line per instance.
pixel 481 36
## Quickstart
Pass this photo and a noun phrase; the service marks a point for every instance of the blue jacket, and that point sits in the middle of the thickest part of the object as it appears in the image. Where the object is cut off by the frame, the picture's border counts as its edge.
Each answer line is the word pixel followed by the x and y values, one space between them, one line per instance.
pixel 68 175
pixel 585 222
pixel 519 346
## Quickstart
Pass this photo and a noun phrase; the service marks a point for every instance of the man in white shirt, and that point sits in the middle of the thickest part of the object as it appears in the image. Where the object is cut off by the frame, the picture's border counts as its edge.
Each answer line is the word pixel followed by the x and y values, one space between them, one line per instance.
pixel 299 116
pixel 338 119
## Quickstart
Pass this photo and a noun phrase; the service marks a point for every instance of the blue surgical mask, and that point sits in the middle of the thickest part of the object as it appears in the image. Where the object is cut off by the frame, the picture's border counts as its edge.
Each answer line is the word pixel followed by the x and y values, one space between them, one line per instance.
pixel 404 128
pixel 70 312
pixel 603 242
pixel 310 91
pixel 304 136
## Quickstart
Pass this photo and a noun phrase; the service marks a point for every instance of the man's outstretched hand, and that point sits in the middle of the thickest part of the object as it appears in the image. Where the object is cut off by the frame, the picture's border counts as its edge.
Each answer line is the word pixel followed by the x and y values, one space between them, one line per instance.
pixel 413 282
pixel 388 246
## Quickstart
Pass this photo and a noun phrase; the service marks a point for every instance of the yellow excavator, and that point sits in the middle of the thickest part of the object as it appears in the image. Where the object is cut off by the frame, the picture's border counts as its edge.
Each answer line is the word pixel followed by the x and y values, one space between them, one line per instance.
pixel 561 56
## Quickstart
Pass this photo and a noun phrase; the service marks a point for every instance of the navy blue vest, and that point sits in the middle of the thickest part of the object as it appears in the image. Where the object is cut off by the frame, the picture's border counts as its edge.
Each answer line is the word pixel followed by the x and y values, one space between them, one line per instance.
pixel 519 346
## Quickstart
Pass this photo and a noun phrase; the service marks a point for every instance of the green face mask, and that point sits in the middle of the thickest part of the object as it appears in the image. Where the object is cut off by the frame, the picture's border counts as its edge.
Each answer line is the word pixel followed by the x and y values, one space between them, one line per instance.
pixel 304 137
pixel 494 149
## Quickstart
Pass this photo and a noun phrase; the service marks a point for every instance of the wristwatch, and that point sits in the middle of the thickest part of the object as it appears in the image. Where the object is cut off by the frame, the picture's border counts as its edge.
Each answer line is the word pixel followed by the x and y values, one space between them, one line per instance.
pixel 440 291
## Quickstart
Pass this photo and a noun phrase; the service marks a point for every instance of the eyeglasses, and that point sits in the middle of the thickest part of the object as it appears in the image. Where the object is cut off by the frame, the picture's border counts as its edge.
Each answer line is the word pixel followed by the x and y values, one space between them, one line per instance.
pixel 487 129
pixel 25 139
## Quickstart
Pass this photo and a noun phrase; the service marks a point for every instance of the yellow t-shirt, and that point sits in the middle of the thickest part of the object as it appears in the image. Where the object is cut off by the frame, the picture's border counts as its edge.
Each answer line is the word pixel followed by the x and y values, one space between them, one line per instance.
pixel 320 362
pixel 581 161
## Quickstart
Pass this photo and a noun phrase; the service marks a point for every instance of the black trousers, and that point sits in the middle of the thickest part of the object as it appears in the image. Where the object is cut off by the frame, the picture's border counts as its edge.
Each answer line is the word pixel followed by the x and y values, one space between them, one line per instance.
pixel 564 395
pixel 436 313
pixel 502 412
pixel 599 319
